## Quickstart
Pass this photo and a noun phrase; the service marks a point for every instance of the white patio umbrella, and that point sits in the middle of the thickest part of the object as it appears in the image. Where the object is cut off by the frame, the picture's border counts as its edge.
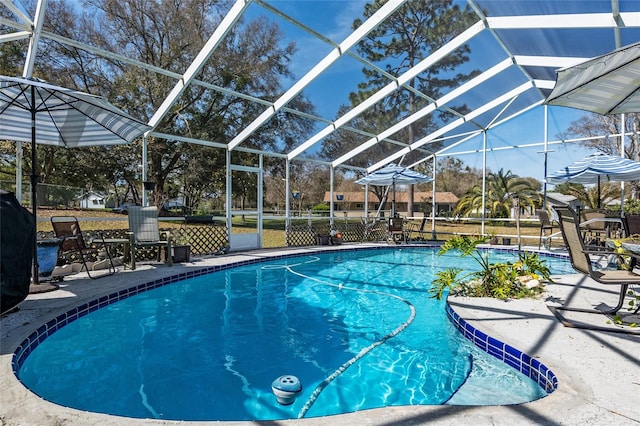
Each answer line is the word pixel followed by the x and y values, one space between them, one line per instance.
pixel 393 174
pixel 597 167
pixel 34 111
pixel 607 84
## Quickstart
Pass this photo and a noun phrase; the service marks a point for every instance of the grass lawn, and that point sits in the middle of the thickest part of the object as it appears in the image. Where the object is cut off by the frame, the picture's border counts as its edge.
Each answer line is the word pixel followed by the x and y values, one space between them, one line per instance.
pixel 273 229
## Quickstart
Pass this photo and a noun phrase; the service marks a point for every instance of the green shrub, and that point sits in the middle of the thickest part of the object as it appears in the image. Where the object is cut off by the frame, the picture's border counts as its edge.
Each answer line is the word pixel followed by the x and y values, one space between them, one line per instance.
pixel 524 278
pixel 320 208
pixel 630 207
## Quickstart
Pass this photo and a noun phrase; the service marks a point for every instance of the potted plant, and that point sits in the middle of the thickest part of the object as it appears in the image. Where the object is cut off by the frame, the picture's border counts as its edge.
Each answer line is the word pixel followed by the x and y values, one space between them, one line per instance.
pixel 323 239
pixel 181 249
pixel 335 237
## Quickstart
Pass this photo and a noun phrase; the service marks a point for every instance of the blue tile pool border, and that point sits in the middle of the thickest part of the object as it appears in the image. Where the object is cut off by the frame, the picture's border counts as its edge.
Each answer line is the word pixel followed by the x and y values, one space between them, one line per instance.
pixel 509 355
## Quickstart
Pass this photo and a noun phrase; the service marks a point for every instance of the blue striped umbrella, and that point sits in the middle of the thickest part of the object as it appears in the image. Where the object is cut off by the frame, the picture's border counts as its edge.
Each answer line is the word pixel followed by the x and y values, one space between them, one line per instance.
pixel 393 174
pixel 34 111
pixel 596 167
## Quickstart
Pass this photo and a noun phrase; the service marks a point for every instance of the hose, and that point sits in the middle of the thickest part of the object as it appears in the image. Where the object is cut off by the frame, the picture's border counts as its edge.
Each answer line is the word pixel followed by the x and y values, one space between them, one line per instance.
pixel 318 390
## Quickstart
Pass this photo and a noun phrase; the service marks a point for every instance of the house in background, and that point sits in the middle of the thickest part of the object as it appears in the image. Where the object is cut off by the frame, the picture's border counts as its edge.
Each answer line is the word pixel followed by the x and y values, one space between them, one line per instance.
pixel 93 200
pixel 353 202
pixel 563 200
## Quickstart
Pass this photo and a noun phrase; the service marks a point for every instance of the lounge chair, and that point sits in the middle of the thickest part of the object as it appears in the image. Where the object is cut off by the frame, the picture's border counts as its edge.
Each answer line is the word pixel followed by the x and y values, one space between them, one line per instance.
pixel 74 246
pixel 144 232
pixel 581 262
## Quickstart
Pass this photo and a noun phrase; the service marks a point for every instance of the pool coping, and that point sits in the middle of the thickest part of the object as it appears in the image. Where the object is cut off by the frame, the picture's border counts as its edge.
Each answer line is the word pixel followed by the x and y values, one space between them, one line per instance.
pixel 14 392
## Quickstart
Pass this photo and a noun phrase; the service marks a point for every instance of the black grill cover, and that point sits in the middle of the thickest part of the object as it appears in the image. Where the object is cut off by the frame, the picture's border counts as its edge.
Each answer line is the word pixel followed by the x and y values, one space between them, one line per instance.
pixel 17 231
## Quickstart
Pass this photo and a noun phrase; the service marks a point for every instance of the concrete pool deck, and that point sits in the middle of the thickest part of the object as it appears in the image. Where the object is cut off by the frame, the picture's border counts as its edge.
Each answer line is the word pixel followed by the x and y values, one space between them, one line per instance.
pixel 598 371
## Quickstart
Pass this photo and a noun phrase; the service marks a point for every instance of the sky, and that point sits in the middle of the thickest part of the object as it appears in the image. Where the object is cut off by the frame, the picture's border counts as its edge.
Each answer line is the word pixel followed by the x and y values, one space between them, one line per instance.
pixel 529 129
pixel 331 89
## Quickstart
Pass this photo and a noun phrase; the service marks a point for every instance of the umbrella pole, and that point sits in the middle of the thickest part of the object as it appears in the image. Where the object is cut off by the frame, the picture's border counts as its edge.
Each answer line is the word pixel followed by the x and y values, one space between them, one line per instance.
pixel 393 205
pixel 515 198
pixel 518 229
pixel 599 203
pixel 34 189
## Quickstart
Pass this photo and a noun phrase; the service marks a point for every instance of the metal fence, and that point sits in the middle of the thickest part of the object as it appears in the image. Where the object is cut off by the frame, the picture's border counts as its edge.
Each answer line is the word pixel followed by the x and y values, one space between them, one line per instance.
pixel 308 234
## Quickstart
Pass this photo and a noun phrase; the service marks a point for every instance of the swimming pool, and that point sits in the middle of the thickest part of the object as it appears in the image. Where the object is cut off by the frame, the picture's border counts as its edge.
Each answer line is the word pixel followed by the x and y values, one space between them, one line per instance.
pixel 209 347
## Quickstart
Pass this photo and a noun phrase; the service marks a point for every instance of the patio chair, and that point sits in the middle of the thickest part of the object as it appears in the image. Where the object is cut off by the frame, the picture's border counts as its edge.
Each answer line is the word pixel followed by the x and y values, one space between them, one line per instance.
pixel 144 232
pixel 74 246
pixel 595 232
pixel 371 229
pixel 545 225
pixel 581 262
pixel 417 229
pixel 395 229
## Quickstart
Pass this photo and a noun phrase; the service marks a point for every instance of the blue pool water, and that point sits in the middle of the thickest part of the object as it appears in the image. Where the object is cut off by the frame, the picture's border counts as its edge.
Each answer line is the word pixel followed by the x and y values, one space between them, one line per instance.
pixel 358 328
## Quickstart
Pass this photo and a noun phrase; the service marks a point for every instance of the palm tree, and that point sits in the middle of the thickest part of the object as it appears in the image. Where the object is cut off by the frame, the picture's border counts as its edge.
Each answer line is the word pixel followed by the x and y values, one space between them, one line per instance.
pixel 589 196
pixel 501 187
